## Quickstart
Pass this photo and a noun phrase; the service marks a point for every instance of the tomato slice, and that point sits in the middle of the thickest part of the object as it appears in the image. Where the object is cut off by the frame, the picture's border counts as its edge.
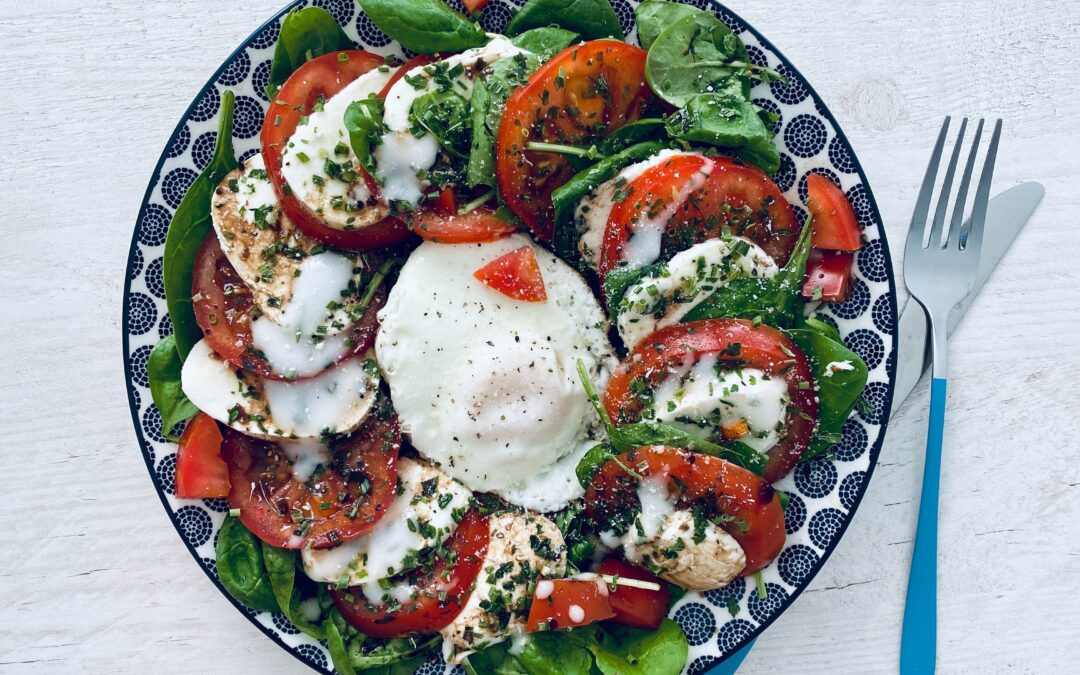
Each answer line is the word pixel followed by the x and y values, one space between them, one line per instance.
pixel 320 77
pixel 224 305
pixel 638 607
pixel 200 471
pixel 581 95
pixel 736 343
pixel 827 275
pixel 344 500
pixel 516 275
pixel 753 515
pixel 562 604
pixel 836 227
pixel 473 6
pixel 439 596
pixel 477 226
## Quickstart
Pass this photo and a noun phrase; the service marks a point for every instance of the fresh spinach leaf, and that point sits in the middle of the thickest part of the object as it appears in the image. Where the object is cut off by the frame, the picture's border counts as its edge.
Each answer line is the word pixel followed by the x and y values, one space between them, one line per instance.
pixel 281 569
pixel 240 567
pixel 639 131
pixel 566 198
pixel 489 96
pixel 699 53
pixel 838 390
pixel 775 301
pixel 396 655
pixel 190 225
pixel 364 122
pixel 620 279
pixel 653 16
pixel 621 650
pixel 445 115
pixel 305 34
pixel 336 628
pixel 546 41
pixel 596 457
pixel 591 19
pixel 163 370
pixel 424 26
pixel 727 120
pixel 553 654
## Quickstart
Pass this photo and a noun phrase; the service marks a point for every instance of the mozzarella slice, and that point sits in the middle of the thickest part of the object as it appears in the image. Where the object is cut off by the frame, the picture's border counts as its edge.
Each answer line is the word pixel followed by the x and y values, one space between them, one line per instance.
pixel 321 168
pixel 401 155
pixel 673 553
pixel 523 548
pixel 704 398
pixel 591 215
pixel 420 517
pixel 487 386
pixel 311 334
pixel 337 401
pixel 666 296
pixel 261 243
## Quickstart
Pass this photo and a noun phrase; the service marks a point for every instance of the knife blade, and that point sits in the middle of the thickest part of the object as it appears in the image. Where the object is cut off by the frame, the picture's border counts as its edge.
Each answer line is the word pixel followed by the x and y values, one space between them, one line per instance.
pixel 1005 217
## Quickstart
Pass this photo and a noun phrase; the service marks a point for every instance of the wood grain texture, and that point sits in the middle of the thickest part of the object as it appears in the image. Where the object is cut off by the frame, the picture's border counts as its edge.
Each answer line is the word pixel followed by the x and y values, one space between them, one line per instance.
pixel 94 579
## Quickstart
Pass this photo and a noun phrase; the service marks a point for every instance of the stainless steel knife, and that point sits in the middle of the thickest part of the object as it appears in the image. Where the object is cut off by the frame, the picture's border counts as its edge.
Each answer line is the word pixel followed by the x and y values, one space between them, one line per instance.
pixel 1005 217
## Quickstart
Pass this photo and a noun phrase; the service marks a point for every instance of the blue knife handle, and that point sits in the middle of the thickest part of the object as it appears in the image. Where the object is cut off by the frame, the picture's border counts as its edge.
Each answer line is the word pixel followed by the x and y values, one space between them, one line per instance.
pixel 918 646
pixel 732 663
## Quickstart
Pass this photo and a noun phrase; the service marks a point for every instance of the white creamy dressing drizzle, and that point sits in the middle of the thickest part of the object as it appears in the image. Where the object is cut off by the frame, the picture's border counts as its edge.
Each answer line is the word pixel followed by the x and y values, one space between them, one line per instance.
pixel 255 193
pixel 322 138
pixel 400 155
pixel 691 276
pixel 705 399
pixel 836 366
pixel 311 406
pixel 382 553
pixel 656 505
pixel 306 455
pixel 295 347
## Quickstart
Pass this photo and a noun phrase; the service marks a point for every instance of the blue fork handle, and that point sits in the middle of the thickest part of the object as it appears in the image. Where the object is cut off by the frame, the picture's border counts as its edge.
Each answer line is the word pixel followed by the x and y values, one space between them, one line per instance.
pixel 918 646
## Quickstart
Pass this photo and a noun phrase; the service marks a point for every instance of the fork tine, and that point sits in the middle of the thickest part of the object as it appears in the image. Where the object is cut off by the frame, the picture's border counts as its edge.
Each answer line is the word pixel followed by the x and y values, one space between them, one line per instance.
pixel 961 195
pixel 946 187
pixel 922 205
pixel 973 240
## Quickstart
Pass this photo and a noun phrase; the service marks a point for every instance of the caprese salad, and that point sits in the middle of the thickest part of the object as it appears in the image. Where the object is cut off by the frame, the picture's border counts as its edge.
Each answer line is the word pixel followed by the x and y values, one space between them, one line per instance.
pixel 497 351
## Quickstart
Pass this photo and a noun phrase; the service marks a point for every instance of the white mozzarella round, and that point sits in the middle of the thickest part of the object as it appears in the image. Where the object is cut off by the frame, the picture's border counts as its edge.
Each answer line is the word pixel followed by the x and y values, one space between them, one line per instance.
pixel 704 398
pixel 336 401
pixel 421 516
pixel 309 336
pixel 666 296
pixel 401 156
pixel 643 247
pixel 486 386
pixel 343 202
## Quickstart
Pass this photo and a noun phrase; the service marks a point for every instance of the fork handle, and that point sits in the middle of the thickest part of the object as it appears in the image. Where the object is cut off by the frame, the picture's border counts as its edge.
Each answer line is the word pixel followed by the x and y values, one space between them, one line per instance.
pixel 918 646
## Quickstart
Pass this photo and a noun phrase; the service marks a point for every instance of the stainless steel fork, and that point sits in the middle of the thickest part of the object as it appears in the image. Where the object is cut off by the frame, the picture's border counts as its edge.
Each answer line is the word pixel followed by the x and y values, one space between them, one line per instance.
pixel 939 269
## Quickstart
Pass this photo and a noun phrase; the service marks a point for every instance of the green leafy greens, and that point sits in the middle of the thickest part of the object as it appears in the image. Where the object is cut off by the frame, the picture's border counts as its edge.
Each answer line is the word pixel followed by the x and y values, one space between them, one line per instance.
pixel 727 120
pixel 190 225
pixel 364 123
pixel 591 19
pixel 281 569
pixel 488 99
pixel 163 371
pixel 653 16
pixel 240 567
pixel 305 34
pixel 446 116
pixel 546 41
pixel 424 26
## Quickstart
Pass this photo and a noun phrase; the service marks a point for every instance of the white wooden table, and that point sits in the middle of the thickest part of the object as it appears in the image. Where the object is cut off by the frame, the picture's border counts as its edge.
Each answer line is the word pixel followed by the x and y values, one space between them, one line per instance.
pixel 94 579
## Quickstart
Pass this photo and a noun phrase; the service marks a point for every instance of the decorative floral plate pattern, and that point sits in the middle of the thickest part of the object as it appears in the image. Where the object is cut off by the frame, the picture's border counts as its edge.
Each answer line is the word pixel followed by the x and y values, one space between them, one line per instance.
pixel 824 493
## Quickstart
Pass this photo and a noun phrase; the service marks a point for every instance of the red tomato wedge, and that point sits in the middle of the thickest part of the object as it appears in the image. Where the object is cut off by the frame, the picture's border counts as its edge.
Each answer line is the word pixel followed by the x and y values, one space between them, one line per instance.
pixel 638 607
pixel 752 508
pixel 562 604
pixel 477 226
pixel 473 6
pixel 736 343
pixel 200 471
pixel 446 203
pixel 836 227
pixel 439 597
pixel 343 501
pixel 827 275
pixel 223 309
pixel 516 275
pixel 320 77
pixel 581 95
pixel 414 62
